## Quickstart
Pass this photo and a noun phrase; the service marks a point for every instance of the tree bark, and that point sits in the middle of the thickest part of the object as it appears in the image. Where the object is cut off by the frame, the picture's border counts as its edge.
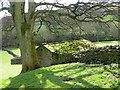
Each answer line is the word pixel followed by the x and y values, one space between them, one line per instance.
pixel 26 38
pixel 30 59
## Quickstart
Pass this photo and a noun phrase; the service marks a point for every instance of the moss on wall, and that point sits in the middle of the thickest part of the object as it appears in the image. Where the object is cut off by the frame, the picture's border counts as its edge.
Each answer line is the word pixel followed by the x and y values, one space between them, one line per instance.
pixel 102 55
pixel 71 46
pixel 77 51
pixel 62 52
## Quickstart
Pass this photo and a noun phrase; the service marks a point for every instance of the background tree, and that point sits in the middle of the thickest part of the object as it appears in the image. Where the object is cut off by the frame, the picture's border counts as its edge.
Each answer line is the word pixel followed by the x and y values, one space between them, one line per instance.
pixel 65 17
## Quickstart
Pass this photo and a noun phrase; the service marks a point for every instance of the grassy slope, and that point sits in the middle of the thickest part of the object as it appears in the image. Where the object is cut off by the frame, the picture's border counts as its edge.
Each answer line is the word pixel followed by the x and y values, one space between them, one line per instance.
pixel 7 70
pixel 72 75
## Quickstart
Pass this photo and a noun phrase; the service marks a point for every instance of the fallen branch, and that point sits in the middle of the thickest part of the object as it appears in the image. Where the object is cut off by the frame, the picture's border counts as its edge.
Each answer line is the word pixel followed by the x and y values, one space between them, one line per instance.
pixel 16 59
pixel 10 52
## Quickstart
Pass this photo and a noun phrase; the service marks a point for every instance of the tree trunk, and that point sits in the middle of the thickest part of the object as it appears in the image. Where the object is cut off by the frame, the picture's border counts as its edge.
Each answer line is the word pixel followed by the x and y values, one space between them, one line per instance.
pixel 26 39
pixel 29 55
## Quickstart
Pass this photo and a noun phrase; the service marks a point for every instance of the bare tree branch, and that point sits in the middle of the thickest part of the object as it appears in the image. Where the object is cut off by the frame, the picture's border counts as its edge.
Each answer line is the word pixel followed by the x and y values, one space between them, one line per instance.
pixel 9 29
pixel 10 52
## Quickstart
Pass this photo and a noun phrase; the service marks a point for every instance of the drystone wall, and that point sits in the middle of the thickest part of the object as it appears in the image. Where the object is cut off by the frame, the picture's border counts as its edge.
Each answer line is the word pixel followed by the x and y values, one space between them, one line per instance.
pixel 101 55
pixel 61 55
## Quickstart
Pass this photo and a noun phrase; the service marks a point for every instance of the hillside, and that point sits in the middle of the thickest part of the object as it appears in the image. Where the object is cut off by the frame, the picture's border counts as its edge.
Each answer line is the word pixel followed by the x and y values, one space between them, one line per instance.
pixel 72 75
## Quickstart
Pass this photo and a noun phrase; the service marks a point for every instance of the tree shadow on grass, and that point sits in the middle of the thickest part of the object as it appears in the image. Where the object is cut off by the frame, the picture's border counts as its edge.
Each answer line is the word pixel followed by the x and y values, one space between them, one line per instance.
pixel 50 78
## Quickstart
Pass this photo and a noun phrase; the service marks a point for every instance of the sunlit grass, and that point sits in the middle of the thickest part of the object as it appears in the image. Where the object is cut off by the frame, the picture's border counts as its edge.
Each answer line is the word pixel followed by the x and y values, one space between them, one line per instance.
pixel 7 70
pixel 72 75
pixel 104 43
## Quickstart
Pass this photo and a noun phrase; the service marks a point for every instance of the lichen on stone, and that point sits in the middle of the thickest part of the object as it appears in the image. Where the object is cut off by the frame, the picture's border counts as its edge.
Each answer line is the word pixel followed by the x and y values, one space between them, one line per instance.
pixel 71 46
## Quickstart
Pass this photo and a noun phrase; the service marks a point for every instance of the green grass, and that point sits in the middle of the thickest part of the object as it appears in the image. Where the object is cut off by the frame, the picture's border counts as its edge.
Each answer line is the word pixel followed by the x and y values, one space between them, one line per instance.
pixel 104 43
pixel 9 74
pixel 7 70
pixel 72 75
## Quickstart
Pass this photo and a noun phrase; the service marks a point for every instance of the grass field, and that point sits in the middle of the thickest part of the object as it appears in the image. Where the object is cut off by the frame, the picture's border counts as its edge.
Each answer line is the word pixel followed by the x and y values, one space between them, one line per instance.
pixel 104 43
pixel 65 75
pixel 72 75
pixel 7 69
